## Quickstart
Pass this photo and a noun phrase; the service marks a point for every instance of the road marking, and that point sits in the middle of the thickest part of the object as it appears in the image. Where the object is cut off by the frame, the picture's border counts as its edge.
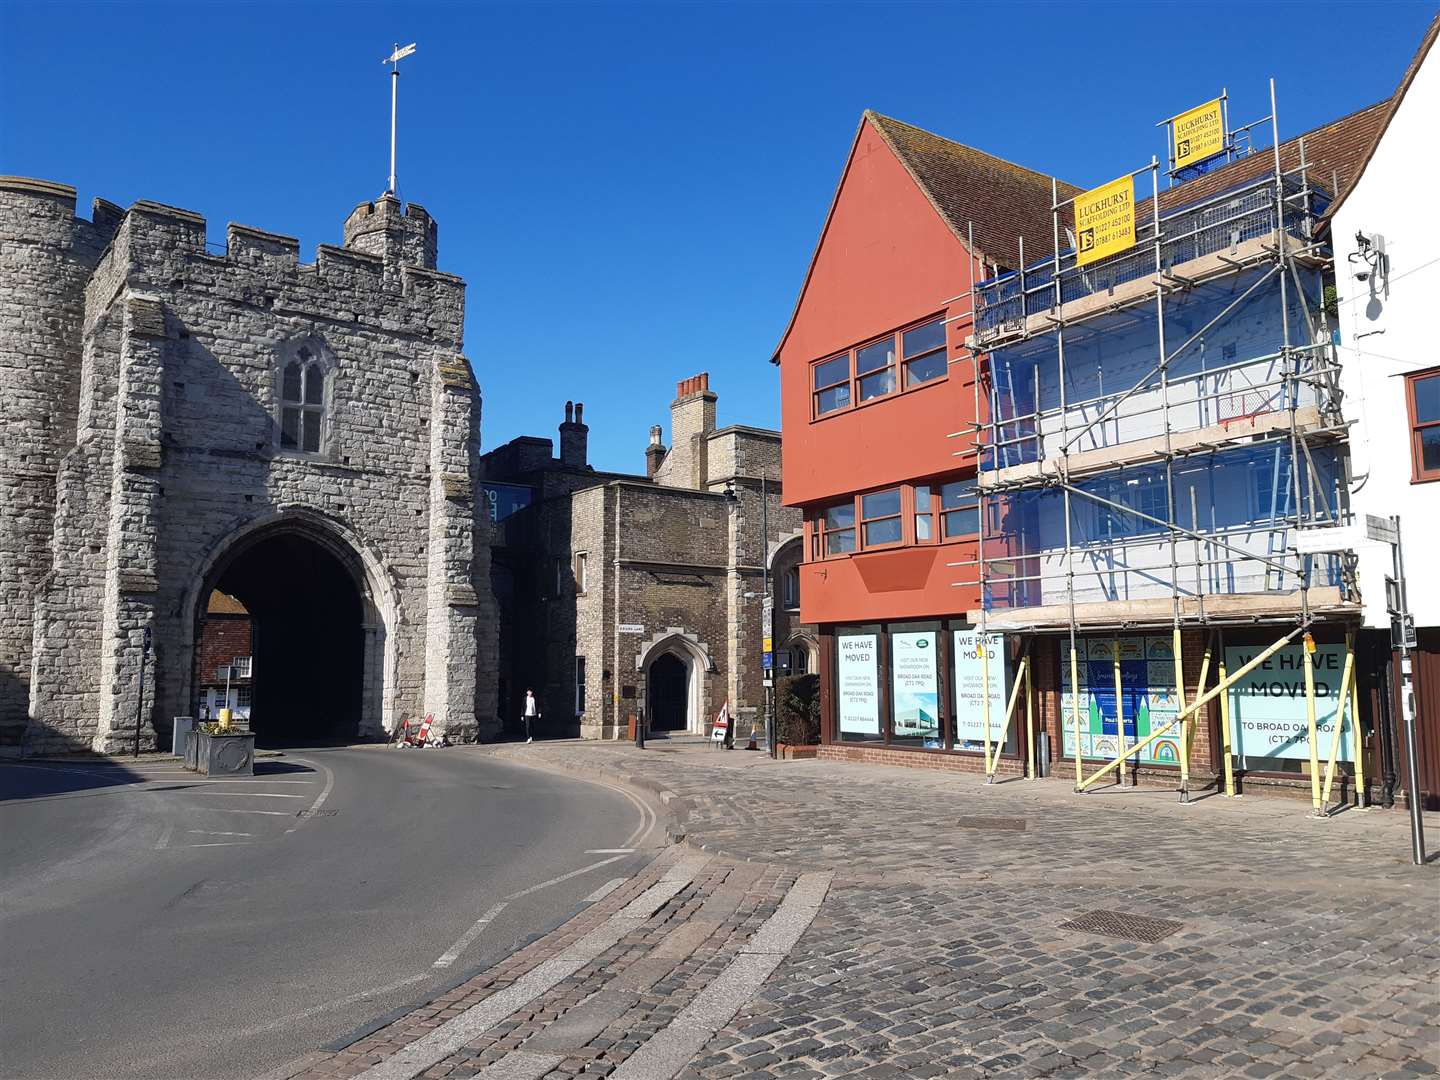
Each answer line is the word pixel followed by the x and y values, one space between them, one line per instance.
pixel 604 890
pixel 610 851
pixel 224 843
pixel 255 795
pixel 450 955
pixel 309 811
pixel 164 840
pixel 564 877
pixel 213 832
pixel 228 810
pixel 460 1030
pixel 674 1046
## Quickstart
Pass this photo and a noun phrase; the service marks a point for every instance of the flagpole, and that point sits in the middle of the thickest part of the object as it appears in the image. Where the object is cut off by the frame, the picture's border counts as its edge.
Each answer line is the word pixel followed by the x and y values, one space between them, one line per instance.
pixel 394 100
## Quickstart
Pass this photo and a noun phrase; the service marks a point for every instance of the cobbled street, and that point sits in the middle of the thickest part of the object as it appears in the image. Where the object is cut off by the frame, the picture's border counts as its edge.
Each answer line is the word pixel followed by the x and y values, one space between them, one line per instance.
pixel 817 919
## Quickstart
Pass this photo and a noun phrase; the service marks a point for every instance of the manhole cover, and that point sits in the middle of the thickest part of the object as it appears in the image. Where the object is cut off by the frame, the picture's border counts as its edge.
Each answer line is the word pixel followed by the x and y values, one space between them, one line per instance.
pixel 1122 924
pixel 1003 824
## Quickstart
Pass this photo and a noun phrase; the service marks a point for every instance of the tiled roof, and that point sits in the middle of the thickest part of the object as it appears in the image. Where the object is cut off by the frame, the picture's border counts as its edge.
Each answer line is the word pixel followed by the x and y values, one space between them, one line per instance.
pixel 1334 153
pixel 224 604
pixel 1391 107
pixel 1002 200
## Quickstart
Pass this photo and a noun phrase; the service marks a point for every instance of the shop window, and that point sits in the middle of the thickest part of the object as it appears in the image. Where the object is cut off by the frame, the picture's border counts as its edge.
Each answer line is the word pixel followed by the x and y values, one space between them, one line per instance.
pixel 924 349
pixel 857 684
pixel 1422 394
pixel 960 509
pixel 915 687
pixel 880 518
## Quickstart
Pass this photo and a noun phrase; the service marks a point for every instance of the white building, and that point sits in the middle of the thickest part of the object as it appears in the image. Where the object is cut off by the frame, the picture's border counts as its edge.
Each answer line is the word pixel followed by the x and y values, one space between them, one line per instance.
pixel 1386 237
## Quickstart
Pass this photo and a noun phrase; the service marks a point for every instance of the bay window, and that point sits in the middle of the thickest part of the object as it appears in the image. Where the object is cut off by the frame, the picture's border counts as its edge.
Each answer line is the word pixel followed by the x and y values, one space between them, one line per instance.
pixel 897 362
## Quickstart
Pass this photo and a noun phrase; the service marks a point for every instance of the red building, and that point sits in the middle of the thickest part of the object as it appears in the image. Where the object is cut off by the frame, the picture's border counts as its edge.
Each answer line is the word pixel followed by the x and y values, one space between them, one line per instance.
pixel 873 376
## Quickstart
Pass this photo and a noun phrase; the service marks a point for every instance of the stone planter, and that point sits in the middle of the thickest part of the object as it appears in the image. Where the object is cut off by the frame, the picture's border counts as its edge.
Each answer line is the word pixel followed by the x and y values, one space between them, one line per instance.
pixel 192 746
pixel 225 755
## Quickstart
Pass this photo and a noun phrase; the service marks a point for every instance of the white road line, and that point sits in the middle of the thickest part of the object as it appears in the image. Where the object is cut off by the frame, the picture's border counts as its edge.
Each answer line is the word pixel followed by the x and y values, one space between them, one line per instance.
pixel 164 841
pixel 605 890
pixel 253 795
pixel 674 1046
pixel 450 955
pixel 223 843
pixel 214 832
pixel 610 851
pixel 460 1030
pixel 565 877
pixel 228 810
pixel 309 811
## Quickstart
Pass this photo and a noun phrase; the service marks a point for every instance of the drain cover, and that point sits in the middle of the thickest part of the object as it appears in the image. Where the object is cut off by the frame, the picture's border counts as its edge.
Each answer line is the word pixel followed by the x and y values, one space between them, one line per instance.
pixel 1122 924
pixel 1003 824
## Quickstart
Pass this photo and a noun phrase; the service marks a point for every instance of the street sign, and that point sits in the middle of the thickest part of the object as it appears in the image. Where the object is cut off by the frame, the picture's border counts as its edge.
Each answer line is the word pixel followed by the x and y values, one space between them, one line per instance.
pixel 1330 538
pixel 767 617
pixel 1402 632
pixel 1382 529
pixel 767 660
pixel 631 628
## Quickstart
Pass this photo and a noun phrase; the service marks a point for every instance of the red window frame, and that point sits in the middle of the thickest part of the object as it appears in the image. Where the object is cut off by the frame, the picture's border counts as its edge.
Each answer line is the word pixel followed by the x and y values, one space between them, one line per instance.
pixel 1418 473
pixel 899 366
pixel 917 500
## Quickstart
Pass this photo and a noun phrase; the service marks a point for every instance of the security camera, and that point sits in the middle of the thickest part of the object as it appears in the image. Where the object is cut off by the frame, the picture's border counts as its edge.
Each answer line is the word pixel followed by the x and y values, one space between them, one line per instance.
pixel 1363 275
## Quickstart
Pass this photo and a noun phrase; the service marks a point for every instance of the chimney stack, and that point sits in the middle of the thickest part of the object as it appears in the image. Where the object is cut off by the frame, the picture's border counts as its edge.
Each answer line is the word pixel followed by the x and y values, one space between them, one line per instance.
pixel 692 421
pixel 654 453
pixel 574 437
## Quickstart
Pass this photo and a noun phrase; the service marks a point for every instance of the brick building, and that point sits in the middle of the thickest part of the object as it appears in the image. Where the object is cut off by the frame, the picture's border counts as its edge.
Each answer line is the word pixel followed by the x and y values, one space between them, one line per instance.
pixel 630 593
pixel 301 437
pixel 225 668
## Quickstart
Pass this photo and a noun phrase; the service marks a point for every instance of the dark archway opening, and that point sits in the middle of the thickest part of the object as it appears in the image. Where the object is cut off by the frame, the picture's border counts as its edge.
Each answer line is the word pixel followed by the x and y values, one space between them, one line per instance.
pixel 668 693
pixel 309 644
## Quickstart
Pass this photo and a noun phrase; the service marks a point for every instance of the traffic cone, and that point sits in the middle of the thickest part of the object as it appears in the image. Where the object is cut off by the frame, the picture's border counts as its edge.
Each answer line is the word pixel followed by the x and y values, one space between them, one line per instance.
pixel 751 744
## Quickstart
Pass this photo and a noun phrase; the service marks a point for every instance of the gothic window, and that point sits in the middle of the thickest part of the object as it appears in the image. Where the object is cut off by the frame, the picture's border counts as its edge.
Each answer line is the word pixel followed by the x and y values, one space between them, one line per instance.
pixel 302 403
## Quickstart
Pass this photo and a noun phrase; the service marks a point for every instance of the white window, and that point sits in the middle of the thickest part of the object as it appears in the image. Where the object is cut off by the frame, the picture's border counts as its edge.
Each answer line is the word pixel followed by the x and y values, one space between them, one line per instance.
pixel 241 668
pixel 580 574
pixel 242 697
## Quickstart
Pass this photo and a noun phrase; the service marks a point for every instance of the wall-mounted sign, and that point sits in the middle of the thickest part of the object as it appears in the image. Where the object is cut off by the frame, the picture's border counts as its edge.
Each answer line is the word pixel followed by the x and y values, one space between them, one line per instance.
pixel 504 499
pixel 858 684
pixel 631 628
pixel 969 692
pixel 1105 220
pixel 1267 706
pixel 916 689
pixel 1198 134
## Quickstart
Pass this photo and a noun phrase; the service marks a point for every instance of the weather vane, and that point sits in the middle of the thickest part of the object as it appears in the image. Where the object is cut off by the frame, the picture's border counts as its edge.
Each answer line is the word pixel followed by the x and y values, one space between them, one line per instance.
pixel 394 61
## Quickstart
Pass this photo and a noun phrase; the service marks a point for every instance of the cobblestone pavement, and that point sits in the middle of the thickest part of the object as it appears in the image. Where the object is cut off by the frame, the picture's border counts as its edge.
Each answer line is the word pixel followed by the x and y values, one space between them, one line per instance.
pixel 1277 945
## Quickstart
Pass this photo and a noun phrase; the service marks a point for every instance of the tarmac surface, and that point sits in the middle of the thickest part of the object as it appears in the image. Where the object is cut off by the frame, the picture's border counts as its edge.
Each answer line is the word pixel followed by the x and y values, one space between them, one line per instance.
pixel 156 923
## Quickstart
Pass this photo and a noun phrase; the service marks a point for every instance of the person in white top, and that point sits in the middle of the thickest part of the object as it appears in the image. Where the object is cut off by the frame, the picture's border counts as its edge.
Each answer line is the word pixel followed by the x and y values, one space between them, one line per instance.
pixel 531 711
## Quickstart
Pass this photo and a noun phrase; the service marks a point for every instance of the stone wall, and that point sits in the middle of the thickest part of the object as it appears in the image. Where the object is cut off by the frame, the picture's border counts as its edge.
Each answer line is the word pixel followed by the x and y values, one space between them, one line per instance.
pixel 173 455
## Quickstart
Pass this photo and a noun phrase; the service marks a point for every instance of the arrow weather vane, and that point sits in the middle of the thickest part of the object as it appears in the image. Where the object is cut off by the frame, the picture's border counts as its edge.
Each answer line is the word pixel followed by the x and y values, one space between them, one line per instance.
pixel 394 61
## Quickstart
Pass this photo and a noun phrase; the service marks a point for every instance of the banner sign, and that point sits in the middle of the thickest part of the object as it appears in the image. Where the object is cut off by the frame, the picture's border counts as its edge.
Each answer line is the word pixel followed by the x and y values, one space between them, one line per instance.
pixel 504 499
pixel 1105 221
pixel 1267 706
pixel 969 695
pixel 916 687
pixel 858 679
pixel 1147 695
pixel 1198 134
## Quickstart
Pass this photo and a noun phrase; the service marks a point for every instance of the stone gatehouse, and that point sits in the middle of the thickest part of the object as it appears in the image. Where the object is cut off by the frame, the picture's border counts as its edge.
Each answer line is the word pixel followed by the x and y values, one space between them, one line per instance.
pixel 303 437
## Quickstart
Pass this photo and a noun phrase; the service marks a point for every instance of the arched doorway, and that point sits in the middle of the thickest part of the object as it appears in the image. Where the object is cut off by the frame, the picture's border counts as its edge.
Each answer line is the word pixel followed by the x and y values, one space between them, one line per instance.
pixel 667 686
pixel 316 638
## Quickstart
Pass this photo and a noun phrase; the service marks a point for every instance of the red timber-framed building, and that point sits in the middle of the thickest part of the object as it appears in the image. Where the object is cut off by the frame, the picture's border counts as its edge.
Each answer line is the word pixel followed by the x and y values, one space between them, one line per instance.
pixel 874 375
pixel 901 471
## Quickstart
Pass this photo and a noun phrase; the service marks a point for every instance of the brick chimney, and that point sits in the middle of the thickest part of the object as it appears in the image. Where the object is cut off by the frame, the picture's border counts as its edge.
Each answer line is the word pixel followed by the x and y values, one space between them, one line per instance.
pixel 654 453
pixel 692 419
pixel 574 436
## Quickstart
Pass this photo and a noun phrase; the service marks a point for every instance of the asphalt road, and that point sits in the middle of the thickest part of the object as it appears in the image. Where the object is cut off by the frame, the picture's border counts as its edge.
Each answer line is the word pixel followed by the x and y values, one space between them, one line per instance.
pixel 156 924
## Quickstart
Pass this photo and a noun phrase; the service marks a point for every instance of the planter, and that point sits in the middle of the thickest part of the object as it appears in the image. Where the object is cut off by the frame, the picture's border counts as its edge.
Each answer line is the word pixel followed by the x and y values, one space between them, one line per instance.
pixel 793 753
pixel 192 745
pixel 225 755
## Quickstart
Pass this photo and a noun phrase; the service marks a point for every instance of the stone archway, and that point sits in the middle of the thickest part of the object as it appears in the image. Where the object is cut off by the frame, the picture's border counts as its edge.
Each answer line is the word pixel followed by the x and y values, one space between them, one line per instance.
pixel 323 615
pixel 674 667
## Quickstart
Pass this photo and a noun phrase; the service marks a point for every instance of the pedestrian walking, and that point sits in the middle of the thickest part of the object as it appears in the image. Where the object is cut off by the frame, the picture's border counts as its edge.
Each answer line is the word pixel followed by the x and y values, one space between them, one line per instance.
pixel 531 712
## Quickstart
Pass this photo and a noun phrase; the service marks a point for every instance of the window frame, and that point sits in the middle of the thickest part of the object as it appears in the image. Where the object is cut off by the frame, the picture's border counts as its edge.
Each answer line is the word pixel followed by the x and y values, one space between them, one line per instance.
pixel 863 523
pixel 943 530
pixel 898 366
pixel 582 572
pixel 579 686
pixel 1418 473
pixel 312 360
pixel 790 589
pixel 910 511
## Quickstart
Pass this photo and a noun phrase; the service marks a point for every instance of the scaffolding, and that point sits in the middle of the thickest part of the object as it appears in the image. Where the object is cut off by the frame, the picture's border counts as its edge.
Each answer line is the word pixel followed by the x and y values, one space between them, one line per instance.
pixel 1110 509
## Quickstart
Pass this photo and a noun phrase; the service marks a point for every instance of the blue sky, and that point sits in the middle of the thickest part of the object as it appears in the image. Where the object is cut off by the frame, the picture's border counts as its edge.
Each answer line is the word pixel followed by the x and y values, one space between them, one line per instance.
pixel 632 191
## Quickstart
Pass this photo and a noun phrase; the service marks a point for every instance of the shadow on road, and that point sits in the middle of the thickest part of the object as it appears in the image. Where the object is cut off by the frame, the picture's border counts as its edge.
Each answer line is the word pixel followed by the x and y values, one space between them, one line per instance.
pixel 39 779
